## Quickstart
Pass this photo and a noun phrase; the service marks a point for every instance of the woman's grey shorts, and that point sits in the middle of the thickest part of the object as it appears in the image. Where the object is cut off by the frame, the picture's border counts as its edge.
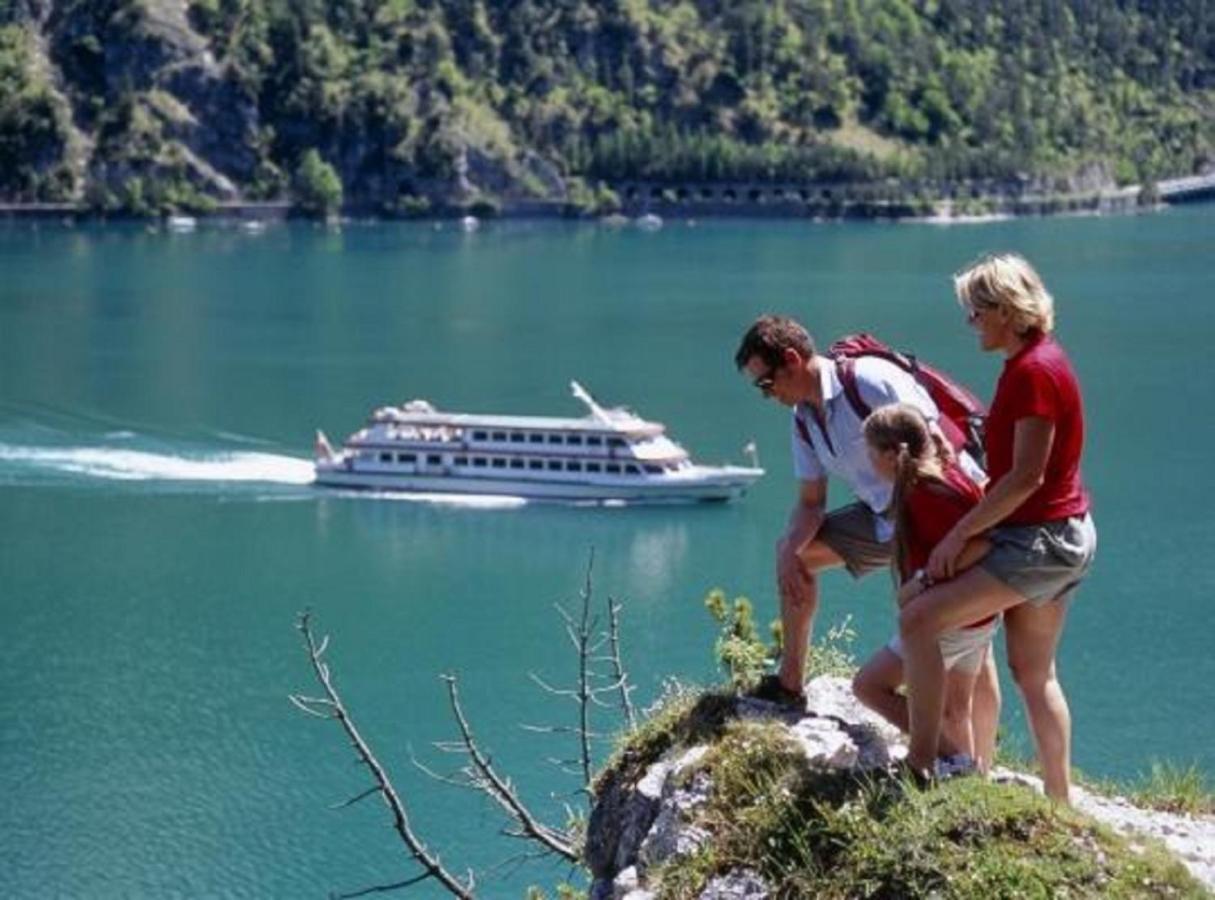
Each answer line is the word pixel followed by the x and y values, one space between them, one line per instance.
pixel 961 649
pixel 1042 562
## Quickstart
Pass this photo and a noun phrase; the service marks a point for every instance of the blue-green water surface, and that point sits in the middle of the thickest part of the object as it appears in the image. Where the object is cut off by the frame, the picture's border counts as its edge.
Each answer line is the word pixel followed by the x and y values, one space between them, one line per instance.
pixel 158 396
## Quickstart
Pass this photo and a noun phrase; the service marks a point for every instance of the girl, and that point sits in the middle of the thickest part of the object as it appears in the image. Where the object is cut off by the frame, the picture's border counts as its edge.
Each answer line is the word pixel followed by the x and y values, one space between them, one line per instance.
pixel 930 495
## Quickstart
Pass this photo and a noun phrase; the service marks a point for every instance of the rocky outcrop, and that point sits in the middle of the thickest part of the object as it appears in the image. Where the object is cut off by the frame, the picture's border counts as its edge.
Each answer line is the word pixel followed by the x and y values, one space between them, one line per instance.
pixel 641 825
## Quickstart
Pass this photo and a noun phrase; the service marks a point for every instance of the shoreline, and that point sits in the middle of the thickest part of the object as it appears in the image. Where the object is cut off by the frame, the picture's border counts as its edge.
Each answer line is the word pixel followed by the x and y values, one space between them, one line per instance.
pixel 942 211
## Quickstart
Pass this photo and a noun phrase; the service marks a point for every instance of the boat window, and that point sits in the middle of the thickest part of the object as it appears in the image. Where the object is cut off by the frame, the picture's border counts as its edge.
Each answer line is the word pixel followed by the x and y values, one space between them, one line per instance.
pixel 594 467
pixel 615 442
pixel 535 464
pixel 573 466
pixel 516 464
pixel 385 457
pixel 479 462
pixel 499 435
pixel 434 460
pixel 517 437
pixel 480 435
pixel 613 468
pixel 406 457
pixel 575 439
pixel 653 470
pixel 499 463
pixel 594 441
pixel 554 465
pixel 461 460
pixel 632 469
pixel 536 438
pixel 554 439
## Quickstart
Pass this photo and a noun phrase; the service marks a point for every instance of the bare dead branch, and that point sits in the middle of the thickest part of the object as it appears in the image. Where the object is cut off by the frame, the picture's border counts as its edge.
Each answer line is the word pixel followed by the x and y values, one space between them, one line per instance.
pixel 500 789
pixel 617 666
pixel 561 692
pixel 584 634
pixel 301 703
pixel 418 851
pixel 550 729
pixel 431 773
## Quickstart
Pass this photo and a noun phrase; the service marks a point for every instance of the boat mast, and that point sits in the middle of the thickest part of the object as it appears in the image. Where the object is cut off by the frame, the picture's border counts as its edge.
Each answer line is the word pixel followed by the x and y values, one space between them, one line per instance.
pixel 596 410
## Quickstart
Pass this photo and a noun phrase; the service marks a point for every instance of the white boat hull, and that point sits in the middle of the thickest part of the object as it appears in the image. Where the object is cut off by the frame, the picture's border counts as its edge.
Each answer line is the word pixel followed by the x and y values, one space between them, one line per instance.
pixel 699 483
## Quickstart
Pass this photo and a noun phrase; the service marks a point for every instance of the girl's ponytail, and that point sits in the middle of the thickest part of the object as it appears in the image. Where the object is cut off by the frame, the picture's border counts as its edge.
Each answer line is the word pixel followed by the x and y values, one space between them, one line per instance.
pixel 906 474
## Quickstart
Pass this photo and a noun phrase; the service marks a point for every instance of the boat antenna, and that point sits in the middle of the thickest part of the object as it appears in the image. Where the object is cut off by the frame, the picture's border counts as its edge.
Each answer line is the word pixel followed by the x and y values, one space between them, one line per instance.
pixel 596 410
pixel 752 453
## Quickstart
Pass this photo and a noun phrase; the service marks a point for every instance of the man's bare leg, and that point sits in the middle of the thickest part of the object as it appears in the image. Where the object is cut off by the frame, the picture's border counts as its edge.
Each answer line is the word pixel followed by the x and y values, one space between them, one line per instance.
pixel 797 614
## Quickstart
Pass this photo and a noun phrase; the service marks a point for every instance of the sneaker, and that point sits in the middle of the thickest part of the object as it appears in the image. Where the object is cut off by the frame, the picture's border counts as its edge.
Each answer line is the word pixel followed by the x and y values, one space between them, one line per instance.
pixel 954 766
pixel 771 689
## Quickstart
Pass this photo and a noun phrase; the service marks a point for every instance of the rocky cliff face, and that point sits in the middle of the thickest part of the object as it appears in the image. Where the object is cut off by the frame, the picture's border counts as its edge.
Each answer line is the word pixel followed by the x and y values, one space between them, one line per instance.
pixel 765 802
pixel 136 101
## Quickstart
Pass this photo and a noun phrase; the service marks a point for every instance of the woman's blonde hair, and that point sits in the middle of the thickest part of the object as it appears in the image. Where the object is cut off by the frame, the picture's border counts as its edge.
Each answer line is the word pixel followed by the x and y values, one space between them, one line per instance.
pixel 1007 281
pixel 921 455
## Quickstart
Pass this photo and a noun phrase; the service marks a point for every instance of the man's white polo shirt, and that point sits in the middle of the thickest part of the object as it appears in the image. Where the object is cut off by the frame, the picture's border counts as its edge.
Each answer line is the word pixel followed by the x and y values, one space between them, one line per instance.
pixel 879 383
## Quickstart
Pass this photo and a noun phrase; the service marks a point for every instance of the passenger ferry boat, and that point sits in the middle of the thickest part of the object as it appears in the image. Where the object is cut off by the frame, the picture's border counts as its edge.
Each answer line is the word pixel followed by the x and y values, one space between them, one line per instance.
pixel 609 454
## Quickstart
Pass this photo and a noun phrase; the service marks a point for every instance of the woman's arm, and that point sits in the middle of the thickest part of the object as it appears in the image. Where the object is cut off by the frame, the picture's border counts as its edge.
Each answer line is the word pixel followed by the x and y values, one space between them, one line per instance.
pixel 1032 440
pixel 976 548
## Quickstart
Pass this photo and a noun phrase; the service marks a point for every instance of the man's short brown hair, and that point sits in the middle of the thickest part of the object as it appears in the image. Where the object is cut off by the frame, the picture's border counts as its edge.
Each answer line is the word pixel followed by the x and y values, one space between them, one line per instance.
pixel 769 337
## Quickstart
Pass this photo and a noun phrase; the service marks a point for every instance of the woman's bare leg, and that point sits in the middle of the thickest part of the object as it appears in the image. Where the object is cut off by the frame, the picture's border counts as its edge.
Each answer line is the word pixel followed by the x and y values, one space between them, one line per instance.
pixel 1032 635
pixel 971 596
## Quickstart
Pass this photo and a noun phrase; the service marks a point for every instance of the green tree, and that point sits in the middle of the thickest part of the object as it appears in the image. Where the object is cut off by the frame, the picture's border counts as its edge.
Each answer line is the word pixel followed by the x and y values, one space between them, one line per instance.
pixel 318 189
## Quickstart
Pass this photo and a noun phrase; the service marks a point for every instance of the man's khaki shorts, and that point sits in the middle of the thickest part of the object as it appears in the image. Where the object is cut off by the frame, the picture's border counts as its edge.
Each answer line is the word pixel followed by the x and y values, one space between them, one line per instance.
pixel 851 531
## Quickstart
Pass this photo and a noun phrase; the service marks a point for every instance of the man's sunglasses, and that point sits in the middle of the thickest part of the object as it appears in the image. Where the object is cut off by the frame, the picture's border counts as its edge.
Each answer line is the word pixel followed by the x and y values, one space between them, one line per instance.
pixel 765 383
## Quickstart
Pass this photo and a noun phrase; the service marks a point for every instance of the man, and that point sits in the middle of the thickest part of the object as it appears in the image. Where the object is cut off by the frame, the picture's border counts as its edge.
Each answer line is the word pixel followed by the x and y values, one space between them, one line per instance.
pixel 779 356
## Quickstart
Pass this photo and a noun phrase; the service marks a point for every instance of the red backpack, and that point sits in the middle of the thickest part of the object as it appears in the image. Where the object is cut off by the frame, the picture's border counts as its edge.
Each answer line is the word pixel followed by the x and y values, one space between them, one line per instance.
pixel 962 413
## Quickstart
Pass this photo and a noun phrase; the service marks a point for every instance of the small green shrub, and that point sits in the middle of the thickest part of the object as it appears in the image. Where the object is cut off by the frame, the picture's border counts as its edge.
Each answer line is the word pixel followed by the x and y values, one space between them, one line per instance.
pixel 738 648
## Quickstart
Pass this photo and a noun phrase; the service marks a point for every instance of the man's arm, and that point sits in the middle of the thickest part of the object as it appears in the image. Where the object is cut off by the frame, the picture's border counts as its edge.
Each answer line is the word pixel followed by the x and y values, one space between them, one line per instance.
pixel 804 523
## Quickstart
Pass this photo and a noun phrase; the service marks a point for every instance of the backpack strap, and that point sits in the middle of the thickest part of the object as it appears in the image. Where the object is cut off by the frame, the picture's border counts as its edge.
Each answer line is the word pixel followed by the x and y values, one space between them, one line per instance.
pixel 805 432
pixel 801 427
pixel 846 367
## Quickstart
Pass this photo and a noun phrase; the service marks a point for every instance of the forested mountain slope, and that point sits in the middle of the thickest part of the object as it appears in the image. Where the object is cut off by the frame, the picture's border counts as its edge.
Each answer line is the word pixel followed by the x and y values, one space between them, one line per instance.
pixel 417 103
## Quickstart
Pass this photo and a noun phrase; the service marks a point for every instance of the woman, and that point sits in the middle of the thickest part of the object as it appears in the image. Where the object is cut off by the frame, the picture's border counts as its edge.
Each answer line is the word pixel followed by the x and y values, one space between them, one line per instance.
pixel 931 493
pixel 1035 514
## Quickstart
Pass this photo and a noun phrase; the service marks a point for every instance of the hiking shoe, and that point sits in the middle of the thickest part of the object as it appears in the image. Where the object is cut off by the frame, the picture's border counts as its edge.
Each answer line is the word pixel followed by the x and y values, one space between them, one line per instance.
pixel 771 689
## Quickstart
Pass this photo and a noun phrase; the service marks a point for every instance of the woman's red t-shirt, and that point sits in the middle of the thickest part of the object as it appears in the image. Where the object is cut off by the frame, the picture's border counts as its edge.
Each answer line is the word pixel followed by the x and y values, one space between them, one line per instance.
pixel 1039 382
pixel 932 508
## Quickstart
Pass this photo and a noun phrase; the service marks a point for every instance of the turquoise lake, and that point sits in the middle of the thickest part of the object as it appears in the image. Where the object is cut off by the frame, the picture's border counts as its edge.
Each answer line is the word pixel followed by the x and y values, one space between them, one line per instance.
pixel 158 399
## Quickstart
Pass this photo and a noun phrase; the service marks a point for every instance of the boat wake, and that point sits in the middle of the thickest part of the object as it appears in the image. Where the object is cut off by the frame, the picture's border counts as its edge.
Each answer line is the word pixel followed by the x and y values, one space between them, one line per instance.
pixel 136 465
pixel 66 458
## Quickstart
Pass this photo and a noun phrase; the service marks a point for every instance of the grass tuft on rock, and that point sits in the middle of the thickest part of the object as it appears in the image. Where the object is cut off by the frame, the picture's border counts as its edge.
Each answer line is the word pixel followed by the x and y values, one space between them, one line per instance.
pixel 835 834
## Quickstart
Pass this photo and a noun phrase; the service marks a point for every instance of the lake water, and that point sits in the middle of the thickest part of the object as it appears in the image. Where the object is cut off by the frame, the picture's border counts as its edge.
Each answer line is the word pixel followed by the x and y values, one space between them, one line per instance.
pixel 158 396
